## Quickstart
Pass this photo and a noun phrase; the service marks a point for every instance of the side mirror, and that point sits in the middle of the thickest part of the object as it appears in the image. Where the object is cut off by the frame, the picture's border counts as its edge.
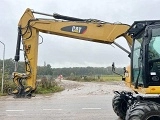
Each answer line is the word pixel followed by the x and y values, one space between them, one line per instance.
pixel 113 70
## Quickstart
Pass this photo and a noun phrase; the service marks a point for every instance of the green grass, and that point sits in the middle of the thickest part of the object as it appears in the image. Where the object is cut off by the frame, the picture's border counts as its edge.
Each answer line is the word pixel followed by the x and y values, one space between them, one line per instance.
pixel 111 78
pixel 41 90
pixel 102 78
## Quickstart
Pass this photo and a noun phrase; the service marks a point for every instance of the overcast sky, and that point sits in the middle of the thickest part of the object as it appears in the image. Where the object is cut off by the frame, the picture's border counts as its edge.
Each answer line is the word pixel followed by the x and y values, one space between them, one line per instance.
pixel 66 52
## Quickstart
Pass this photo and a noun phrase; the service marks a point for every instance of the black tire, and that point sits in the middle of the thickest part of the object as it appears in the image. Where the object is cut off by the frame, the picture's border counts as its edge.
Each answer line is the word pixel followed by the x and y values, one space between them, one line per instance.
pixel 119 105
pixel 144 110
pixel 9 91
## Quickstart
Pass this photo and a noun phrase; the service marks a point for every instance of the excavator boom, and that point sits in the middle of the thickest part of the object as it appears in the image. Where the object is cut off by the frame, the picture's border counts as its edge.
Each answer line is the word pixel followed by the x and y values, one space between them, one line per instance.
pixel 84 29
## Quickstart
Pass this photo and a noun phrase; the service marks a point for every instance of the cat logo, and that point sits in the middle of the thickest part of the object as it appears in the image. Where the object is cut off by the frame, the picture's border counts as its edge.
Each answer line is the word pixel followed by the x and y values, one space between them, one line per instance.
pixel 75 29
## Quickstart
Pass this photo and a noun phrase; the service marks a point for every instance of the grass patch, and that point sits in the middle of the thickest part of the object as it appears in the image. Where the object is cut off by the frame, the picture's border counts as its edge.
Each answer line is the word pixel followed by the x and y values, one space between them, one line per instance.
pixel 48 86
pixel 111 78
pixel 102 78
pixel 42 90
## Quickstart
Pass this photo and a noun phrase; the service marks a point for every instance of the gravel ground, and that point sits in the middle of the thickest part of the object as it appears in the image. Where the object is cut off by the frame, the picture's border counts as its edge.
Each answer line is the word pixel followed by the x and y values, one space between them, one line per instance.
pixel 92 88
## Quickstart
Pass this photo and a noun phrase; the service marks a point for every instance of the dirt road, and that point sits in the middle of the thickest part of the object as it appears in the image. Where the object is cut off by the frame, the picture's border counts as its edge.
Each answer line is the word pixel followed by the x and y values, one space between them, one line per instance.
pixel 92 88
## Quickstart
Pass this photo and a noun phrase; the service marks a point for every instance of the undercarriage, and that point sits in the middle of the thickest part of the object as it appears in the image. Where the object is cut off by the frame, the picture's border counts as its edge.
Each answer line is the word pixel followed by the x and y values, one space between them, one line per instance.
pixel 136 107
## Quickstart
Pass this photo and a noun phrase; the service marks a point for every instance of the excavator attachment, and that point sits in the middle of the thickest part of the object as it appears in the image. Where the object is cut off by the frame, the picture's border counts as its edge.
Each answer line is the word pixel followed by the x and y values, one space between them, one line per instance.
pixel 84 29
pixel 21 91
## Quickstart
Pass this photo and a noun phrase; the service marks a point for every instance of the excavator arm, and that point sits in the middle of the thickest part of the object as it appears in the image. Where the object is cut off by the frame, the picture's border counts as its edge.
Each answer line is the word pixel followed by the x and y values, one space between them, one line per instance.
pixel 84 29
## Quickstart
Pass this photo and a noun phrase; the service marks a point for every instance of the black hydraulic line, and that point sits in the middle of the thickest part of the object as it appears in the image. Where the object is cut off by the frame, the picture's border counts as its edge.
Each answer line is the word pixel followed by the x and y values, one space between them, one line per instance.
pixel 30 33
pixel 58 16
pixel 17 55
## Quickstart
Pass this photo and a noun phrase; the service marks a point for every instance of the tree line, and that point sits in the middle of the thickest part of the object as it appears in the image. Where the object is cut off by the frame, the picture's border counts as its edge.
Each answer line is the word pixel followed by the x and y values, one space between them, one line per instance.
pixel 48 70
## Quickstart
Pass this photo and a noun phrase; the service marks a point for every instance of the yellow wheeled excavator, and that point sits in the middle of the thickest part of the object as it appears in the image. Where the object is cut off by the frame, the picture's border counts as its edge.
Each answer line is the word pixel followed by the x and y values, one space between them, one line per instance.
pixel 142 76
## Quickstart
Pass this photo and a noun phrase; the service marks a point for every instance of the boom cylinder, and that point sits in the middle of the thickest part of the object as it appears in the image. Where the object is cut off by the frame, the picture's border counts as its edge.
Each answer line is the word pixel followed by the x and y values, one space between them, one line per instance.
pixel 58 16
pixel 17 56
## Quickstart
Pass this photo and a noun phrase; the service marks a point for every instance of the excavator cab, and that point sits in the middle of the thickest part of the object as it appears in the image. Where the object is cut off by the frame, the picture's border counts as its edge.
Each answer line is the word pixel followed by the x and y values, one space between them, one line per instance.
pixel 145 59
pixel 145 75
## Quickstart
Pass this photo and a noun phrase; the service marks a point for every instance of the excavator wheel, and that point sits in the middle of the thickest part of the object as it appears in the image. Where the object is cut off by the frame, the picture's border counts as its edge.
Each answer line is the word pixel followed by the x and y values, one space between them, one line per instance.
pixel 144 110
pixel 119 105
pixel 9 91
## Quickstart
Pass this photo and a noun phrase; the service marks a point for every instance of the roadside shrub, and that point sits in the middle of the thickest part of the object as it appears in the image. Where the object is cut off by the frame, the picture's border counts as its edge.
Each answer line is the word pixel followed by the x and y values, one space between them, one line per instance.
pixel 48 86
